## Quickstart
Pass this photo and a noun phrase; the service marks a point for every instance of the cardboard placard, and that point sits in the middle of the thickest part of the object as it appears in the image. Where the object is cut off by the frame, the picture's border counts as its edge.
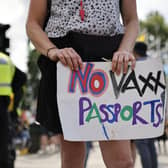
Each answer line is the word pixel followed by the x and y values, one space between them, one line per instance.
pixel 96 104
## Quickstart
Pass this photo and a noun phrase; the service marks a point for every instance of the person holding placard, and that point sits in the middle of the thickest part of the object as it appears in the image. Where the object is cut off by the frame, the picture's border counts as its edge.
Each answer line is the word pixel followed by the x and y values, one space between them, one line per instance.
pixel 77 31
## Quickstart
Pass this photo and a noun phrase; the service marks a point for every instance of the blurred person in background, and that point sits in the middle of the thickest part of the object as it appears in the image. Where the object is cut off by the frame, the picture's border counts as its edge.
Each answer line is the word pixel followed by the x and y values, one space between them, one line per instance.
pixel 146 147
pixel 7 70
pixel 22 135
pixel 164 136
pixel 9 99
pixel 19 81
pixel 15 124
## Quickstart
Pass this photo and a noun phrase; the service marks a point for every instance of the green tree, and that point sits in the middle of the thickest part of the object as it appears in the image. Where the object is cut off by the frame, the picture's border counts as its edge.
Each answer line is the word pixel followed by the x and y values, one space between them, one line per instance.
pixel 156 27
pixel 33 76
pixel 33 72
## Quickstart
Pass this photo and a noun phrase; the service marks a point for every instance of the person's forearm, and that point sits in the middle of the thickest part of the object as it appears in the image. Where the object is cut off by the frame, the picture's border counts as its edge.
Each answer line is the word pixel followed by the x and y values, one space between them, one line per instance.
pixel 38 37
pixel 131 32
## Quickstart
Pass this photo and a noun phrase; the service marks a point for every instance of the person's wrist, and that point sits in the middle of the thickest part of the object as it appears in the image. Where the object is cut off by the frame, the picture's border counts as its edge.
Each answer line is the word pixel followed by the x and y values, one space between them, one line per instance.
pixel 125 49
pixel 125 52
pixel 49 51
pixel 52 54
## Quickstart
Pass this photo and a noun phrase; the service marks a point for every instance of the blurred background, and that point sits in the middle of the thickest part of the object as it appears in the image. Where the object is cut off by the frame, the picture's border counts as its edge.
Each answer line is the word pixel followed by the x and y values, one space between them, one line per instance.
pixel 34 146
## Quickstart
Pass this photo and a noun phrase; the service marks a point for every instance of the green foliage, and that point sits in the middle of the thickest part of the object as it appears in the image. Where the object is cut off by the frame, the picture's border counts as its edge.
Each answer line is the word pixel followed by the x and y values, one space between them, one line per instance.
pixel 33 79
pixel 33 72
pixel 156 26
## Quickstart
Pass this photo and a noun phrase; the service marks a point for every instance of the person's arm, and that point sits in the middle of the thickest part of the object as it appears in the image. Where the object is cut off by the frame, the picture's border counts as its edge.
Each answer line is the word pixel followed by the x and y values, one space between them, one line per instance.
pixel 34 27
pixel 124 53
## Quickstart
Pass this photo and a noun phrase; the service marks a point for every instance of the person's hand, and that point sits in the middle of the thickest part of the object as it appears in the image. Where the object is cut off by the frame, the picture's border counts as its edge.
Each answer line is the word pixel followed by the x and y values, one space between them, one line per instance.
pixel 120 60
pixel 67 56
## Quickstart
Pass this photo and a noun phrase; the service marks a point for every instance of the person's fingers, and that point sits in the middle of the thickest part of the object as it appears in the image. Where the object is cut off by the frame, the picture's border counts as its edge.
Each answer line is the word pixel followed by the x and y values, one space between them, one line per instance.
pixel 61 57
pixel 80 63
pixel 119 64
pixel 125 66
pixel 68 59
pixel 57 55
pixel 121 60
pixel 74 59
pixel 133 61
pixel 114 62
pixel 67 56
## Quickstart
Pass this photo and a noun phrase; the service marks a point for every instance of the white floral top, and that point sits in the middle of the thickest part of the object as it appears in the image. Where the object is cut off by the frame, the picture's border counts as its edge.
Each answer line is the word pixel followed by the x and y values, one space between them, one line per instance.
pixel 102 17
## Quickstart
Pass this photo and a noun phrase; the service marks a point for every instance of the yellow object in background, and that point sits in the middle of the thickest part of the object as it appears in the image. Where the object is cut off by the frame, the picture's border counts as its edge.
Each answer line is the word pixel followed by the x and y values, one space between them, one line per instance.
pixel 23 151
pixel 7 70
pixel 10 107
pixel 141 38
pixel 19 112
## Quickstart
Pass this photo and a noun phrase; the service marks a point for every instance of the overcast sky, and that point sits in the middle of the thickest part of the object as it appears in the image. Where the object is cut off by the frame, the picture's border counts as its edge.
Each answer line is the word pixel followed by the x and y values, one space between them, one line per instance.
pixel 14 12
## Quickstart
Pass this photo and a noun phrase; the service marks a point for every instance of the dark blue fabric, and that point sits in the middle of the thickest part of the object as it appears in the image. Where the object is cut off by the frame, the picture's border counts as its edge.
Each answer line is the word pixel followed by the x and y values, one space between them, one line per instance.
pixel 147 151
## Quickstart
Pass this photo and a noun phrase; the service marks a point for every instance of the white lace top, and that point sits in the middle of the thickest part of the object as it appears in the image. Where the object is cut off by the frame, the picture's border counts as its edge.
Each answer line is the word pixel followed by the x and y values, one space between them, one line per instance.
pixel 102 17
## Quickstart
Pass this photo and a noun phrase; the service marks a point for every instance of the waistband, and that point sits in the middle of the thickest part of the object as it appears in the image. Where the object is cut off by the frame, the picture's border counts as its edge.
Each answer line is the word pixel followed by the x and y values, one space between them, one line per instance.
pixel 90 47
